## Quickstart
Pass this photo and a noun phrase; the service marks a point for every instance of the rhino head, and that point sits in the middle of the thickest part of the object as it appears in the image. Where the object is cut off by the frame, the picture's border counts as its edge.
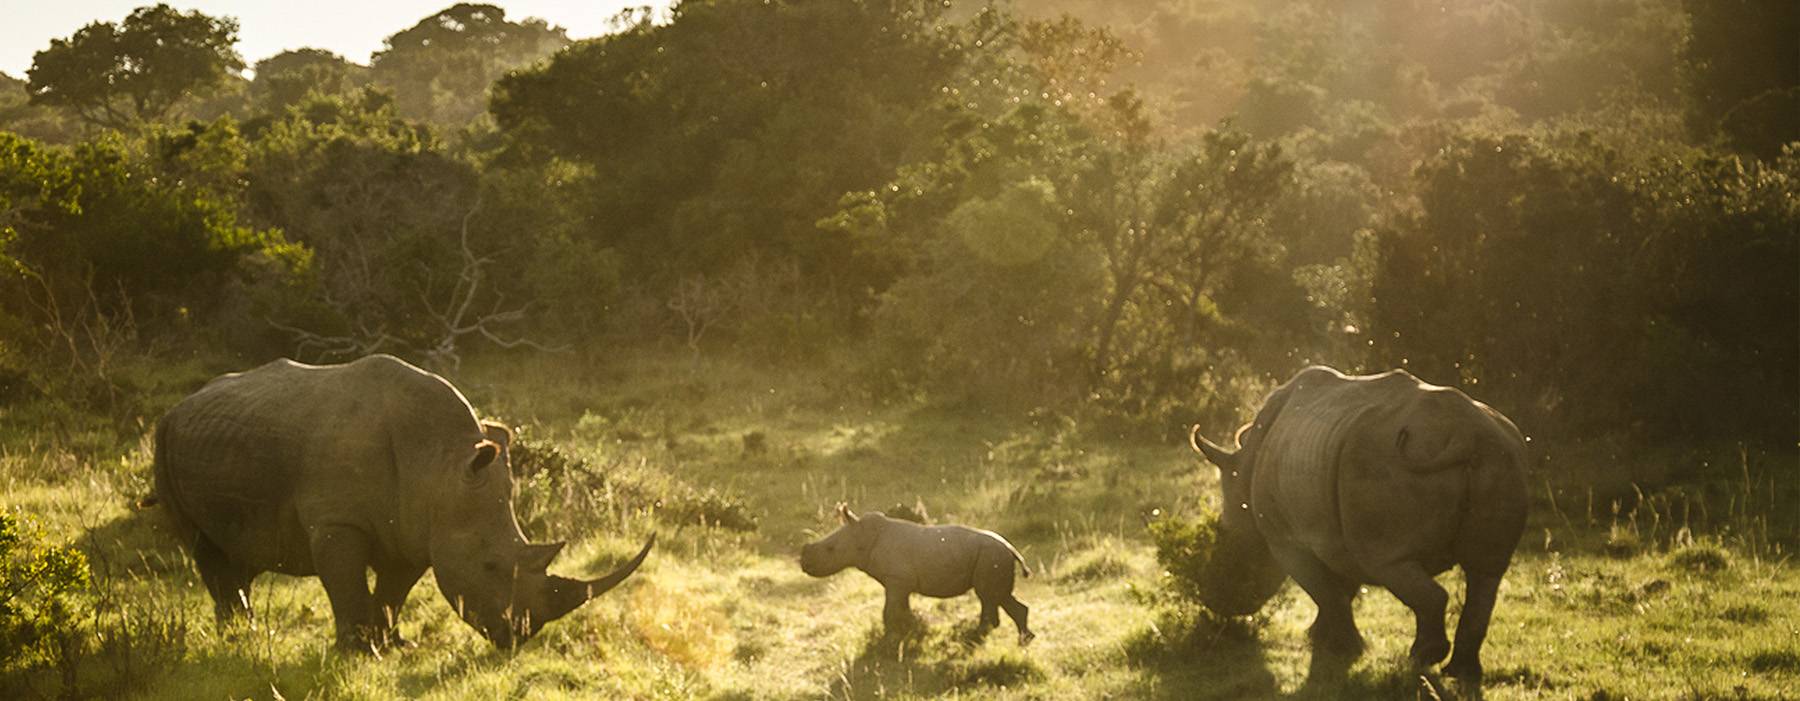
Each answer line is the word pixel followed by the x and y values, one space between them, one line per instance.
pixel 496 580
pixel 1241 575
pixel 847 546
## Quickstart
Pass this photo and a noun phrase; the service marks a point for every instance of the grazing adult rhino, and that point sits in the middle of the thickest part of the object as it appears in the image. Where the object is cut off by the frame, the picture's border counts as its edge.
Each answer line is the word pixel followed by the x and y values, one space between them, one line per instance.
pixel 334 470
pixel 1380 479
pixel 936 561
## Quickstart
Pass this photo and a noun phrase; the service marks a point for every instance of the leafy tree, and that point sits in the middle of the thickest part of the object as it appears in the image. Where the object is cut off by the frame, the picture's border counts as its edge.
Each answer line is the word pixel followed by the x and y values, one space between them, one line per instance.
pixel 288 77
pixel 19 116
pixel 140 70
pixel 440 69
pixel 979 314
pixel 102 214
pixel 116 243
pixel 401 247
pixel 1588 293
pixel 700 144
pixel 1743 68
pixel 1591 56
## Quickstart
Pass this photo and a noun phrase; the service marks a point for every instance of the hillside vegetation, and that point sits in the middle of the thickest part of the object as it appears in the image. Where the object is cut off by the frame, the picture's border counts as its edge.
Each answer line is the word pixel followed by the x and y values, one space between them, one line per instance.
pixel 740 261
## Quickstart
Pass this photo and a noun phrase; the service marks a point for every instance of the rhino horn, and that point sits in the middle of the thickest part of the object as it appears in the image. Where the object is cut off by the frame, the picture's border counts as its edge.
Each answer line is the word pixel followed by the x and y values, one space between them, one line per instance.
pixel 1218 454
pixel 569 594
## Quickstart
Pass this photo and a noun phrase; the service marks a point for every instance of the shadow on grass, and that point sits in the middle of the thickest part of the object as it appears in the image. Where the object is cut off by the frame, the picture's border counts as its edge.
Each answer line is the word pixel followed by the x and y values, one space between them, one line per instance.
pixel 1192 654
pixel 925 661
pixel 241 673
pixel 136 544
pixel 417 682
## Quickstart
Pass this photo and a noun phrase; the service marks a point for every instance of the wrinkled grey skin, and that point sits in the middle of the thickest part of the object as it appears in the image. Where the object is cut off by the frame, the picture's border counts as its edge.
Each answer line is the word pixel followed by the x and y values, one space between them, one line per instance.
pixel 333 470
pixel 1380 479
pixel 936 561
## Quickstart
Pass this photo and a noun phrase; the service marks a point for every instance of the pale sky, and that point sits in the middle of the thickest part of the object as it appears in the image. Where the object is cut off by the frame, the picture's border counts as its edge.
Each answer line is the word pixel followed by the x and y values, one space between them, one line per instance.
pixel 352 28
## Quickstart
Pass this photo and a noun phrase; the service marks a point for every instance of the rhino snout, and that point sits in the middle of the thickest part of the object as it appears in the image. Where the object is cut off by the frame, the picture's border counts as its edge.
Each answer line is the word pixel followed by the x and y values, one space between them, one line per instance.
pixel 807 561
pixel 819 561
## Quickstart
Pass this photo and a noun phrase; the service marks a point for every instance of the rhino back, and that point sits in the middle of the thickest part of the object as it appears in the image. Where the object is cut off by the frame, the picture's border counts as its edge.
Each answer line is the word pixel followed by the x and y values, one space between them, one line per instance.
pixel 1294 492
pixel 1335 479
pixel 930 560
pixel 256 459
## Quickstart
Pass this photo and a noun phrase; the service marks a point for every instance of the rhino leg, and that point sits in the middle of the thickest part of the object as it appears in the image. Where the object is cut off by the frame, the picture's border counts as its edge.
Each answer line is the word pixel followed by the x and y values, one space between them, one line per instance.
pixel 341 555
pixel 392 584
pixel 897 615
pixel 990 612
pixel 226 580
pixel 1472 625
pixel 1019 612
pixel 1334 629
pixel 1414 587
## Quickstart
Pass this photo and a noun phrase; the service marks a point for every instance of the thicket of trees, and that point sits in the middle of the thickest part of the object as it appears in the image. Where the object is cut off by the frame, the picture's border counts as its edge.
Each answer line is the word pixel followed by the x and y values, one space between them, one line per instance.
pixel 1584 211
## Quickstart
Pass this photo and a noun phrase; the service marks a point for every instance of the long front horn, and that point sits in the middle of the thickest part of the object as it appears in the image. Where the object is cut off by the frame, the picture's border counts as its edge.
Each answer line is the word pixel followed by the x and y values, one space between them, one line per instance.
pixel 596 587
pixel 569 594
pixel 1218 454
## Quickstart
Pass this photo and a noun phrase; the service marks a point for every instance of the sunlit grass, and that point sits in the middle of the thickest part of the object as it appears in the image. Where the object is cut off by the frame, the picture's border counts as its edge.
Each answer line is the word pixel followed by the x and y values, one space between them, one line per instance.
pixel 728 614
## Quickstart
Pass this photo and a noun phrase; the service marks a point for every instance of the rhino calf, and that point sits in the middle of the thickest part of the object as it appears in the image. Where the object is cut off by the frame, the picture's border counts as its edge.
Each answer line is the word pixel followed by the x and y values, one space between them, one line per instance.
pixel 936 561
pixel 335 470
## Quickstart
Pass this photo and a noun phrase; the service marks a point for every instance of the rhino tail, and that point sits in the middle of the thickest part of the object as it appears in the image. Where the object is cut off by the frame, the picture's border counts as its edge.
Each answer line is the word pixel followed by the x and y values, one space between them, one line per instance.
pixel 1023 568
pixel 159 465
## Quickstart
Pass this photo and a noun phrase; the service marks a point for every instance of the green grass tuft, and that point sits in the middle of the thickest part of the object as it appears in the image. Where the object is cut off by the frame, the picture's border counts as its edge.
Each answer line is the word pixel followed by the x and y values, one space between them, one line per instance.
pixel 1701 558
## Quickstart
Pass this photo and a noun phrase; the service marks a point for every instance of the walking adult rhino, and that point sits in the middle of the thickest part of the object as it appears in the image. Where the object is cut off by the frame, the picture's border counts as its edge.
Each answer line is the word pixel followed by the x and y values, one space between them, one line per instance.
pixel 1379 479
pixel 334 470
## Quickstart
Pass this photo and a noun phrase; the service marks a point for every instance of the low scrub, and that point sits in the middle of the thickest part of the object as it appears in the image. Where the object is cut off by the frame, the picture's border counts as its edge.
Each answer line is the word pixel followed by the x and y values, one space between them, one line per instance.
pixel 582 492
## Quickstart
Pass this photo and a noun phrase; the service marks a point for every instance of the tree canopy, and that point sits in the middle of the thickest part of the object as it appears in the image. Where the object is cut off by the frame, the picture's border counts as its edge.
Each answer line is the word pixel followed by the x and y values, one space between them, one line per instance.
pixel 440 69
pixel 136 71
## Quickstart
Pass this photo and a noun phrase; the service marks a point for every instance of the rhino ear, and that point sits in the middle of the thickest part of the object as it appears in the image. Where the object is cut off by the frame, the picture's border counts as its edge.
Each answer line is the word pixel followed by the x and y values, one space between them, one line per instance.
pixel 1219 455
pixel 485 452
pixel 498 433
pixel 536 557
pixel 845 514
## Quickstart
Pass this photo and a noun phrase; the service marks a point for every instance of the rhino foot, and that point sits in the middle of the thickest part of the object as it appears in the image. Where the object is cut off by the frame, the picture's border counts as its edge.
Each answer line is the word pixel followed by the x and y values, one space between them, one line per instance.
pixel 1466 670
pixel 1426 653
pixel 392 640
pixel 373 641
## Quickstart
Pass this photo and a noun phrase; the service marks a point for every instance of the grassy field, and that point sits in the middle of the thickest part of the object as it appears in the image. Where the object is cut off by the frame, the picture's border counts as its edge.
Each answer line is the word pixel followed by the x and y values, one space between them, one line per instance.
pixel 1595 607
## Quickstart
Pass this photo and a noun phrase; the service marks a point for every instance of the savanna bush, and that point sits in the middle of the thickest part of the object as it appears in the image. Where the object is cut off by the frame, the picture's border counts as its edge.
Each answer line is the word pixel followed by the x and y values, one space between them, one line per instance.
pixel 978 317
pixel 40 609
pixel 1587 292
pixel 554 487
pixel 113 248
pixel 1184 549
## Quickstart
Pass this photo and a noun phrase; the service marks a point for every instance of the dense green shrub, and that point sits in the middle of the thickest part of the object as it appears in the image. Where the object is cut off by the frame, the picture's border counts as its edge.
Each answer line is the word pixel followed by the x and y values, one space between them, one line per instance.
pixel 116 246
pixel 40 615
pixel 1184 549
pixel 1587 292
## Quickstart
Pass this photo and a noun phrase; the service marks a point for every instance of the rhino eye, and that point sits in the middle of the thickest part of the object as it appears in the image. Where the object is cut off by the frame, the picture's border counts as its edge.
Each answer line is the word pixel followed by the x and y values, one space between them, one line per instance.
pixel 491 566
